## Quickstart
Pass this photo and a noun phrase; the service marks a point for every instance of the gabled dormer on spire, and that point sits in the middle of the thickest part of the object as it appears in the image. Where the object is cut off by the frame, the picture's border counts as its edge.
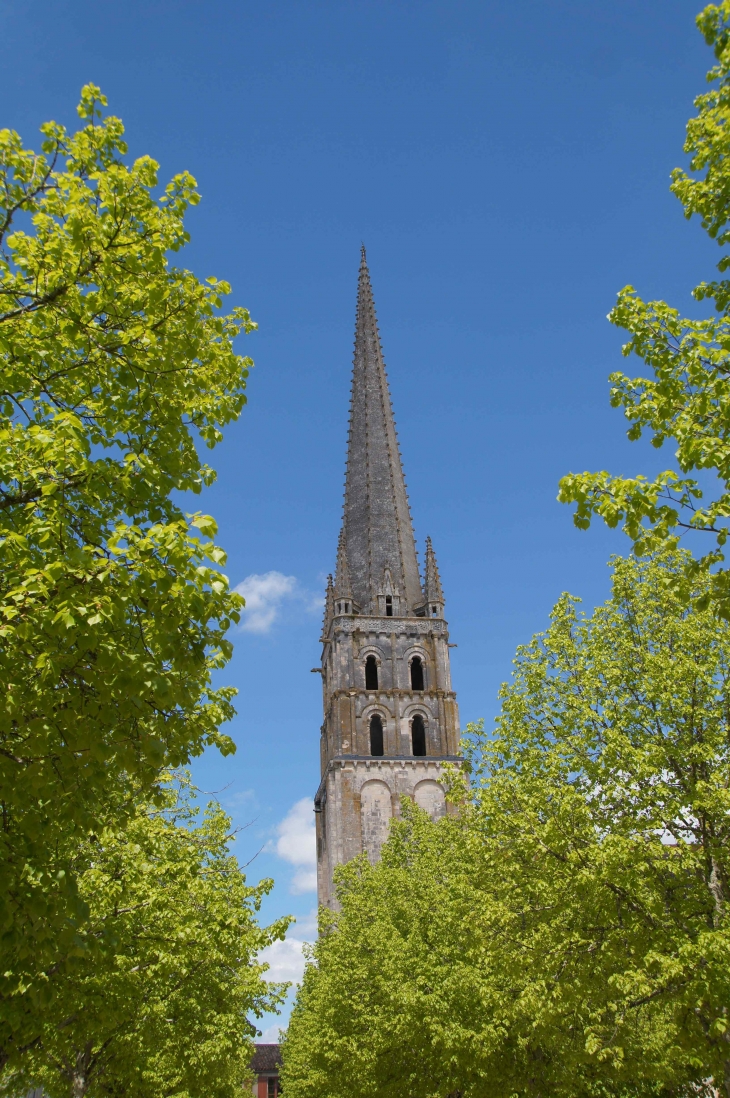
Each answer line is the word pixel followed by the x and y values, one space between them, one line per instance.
pixel 377 528
pixel 434 607
pixel 388 598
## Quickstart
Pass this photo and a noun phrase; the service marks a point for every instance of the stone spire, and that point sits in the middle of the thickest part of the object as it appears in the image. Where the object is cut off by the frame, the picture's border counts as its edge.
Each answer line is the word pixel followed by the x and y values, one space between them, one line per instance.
pixel 432 585
pixel 377 531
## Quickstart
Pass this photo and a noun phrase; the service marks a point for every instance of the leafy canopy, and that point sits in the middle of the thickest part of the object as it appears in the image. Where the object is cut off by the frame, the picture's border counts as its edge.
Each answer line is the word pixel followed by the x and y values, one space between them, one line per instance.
pixel 163 1000
pixel 113 609
pixel 686 396
pixel 567 932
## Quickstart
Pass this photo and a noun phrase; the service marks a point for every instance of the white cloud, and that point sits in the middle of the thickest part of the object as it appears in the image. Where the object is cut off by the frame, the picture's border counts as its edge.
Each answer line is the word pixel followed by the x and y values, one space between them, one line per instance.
pixel 272 1034
pixel 286 964
pixel 265 594
pixel 297 845
pixel 286 958
pixel 304 880
pixel 306 926
pixel 241 798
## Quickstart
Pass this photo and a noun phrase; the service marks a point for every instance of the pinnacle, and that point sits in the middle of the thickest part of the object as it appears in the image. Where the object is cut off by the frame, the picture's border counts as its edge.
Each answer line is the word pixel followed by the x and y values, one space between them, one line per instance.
pixel 343 585
pixel 329 603
pixel 432 584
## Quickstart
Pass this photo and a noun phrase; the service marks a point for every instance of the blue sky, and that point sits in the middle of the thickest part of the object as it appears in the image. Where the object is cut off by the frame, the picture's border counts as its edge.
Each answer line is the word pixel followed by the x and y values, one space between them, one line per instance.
pixel 507 165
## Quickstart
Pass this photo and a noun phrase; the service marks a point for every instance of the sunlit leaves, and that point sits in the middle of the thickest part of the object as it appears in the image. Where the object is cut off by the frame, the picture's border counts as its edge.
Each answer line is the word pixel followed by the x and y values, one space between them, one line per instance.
pixel 115 366
pixel 567 931
pixel 163 998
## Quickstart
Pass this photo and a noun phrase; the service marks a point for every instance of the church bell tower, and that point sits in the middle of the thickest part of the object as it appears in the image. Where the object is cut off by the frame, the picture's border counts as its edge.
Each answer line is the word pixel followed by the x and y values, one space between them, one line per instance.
pixel 390 714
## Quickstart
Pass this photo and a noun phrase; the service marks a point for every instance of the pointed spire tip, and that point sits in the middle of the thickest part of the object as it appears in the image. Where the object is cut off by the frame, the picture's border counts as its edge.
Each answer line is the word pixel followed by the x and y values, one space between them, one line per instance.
pixel 374 537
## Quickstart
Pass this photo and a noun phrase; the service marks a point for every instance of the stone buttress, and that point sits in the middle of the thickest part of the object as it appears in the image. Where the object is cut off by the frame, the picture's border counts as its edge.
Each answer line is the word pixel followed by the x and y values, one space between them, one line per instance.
pixel 390 714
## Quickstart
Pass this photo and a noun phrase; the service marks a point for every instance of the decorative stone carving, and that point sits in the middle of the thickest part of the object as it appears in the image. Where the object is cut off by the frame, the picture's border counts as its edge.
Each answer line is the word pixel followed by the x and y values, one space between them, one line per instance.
pixel 389 625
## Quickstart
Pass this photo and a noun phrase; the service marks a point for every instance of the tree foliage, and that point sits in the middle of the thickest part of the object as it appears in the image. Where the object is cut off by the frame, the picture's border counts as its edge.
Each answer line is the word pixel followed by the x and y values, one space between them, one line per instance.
pixel 162 999
pixel 567 932
pixel 113 610
pixel 687 395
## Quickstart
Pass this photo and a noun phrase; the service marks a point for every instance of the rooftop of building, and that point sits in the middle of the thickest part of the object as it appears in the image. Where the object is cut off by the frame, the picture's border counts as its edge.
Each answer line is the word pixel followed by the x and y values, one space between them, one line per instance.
pixel 266 1058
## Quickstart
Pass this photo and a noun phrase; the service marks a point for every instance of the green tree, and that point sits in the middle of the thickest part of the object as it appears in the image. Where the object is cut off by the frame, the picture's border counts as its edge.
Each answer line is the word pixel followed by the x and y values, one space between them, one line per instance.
pixel 113 610
pixel 162 999
pixel 567 932
pixel 687 396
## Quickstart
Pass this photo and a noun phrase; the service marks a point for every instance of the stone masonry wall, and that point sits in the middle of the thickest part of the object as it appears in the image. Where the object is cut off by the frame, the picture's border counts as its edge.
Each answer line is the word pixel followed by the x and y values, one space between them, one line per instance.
pixel 360 793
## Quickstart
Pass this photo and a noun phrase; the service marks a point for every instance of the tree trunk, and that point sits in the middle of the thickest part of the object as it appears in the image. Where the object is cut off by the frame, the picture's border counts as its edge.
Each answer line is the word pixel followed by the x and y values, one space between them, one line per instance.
pixel 718 893
pixel 80 1074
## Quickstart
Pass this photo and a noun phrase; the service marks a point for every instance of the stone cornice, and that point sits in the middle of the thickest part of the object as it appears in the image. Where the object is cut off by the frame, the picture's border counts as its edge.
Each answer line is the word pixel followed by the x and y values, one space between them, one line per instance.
pixel 357 624
pixel 371 762
pixel 353 692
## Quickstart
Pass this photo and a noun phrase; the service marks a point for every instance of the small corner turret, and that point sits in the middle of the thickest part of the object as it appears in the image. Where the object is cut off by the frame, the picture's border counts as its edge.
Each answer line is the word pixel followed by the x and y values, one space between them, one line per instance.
pixel 329 607
pixel 343 600
pixel 434 596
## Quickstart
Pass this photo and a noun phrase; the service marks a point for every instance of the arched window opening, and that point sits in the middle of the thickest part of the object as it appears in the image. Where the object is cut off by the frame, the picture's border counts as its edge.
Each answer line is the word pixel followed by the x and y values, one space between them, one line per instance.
pixel 416 673
pixel 434 610
pixel 371 673
pixel 389 606
pixel 376 735
pixel 418 735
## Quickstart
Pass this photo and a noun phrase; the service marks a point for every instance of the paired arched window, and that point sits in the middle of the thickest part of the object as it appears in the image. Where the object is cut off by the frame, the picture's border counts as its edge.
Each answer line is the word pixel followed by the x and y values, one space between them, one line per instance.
pixel 371 674
pixel 418 735
pixel 376 735
pixel 416 673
